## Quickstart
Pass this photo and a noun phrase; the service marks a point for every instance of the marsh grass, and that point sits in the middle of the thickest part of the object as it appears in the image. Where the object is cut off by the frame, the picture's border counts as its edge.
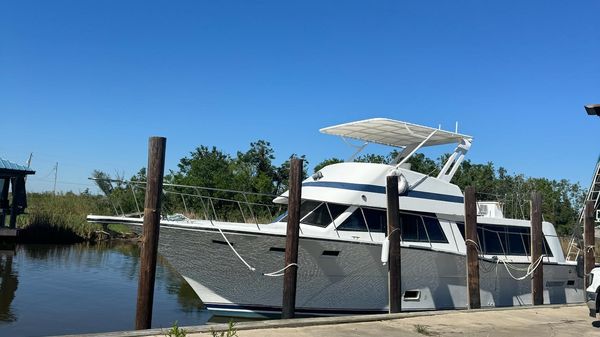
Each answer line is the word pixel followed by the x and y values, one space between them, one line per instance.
pixel 61 218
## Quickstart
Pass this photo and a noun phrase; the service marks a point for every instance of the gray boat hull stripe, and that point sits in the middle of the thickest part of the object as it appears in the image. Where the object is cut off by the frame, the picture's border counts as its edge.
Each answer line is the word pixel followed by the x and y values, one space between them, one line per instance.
pixel 381 190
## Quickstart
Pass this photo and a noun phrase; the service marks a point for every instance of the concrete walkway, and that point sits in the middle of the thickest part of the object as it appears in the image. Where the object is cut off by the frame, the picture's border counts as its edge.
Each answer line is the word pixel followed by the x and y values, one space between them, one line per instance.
pixel 568 321
pixel 542 321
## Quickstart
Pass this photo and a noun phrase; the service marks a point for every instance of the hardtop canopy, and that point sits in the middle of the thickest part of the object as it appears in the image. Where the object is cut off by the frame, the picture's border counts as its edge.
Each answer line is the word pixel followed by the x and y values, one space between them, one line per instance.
pixel 394 133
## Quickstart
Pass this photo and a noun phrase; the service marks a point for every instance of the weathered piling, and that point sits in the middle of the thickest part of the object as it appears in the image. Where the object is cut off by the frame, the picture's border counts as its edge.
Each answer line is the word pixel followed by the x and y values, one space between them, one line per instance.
pixel 589 243
pixel 156 167
pixel 537 277
pixel 292 237
pixel 394 265
pixel 473 294
pixel 13 208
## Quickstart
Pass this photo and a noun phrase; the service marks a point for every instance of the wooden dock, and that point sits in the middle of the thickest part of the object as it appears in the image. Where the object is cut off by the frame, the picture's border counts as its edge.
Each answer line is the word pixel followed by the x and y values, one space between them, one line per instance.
pixel 12 175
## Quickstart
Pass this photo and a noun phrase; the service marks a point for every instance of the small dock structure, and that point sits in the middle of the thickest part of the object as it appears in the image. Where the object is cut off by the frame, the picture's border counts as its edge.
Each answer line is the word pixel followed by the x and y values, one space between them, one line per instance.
pixel 12 179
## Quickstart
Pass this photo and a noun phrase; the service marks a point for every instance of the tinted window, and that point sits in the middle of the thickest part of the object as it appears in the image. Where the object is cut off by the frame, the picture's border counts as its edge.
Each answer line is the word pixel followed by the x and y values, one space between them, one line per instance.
pixel 336 210
pixel 323 215
pixel 493 238
pixel 434 229
pixel 412 228
pixel 376 219
pixel 355 222
pixel 317 213
pixel 305 207
pixel 461 228
pixel 546 249
pixel 412 225
pixel 516 240
pixel 512 239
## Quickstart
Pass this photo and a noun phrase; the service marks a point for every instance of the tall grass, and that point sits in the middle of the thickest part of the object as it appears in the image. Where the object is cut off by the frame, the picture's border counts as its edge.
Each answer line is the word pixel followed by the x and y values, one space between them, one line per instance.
pixel 60 218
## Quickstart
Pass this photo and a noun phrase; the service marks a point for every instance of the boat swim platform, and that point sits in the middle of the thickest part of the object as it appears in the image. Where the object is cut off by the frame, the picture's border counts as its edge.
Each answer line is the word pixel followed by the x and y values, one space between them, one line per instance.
pixel 543 320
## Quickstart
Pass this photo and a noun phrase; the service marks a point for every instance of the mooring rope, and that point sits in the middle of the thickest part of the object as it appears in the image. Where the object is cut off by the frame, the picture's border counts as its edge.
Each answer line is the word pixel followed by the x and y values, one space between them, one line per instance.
pixel 276 273
pixel 280 271
pixel 480 255
pixel 529 270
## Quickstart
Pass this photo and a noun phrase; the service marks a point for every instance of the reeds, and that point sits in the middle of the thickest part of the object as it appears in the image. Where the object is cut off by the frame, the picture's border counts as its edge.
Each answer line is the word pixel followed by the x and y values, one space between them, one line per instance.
pixel 60 218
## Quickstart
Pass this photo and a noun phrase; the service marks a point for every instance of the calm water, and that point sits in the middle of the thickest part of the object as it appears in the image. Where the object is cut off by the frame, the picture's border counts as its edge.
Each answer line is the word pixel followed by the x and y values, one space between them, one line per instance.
pixel 82 288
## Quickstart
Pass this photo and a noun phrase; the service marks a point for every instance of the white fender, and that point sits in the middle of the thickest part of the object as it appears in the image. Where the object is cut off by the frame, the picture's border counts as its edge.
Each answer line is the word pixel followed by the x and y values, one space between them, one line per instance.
pixel 385 251
pixel 402 185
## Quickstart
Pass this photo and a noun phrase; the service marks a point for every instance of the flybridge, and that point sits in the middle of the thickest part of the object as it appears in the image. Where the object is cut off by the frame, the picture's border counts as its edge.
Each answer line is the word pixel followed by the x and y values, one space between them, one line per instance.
pixel 410 137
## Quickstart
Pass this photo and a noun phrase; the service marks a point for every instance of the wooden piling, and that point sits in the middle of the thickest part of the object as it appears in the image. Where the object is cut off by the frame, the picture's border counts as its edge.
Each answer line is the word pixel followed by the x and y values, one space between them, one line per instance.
pixel 589 243
pixel 394 235
pixel 537 277
pixel 154 183
pixel 471 242
pixel 13 208
pixel 4 201
pixel 292 238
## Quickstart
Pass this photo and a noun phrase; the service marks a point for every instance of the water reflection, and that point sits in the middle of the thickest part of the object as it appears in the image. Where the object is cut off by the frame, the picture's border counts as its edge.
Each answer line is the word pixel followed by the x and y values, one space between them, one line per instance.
pixel 70 289
pixel 9 282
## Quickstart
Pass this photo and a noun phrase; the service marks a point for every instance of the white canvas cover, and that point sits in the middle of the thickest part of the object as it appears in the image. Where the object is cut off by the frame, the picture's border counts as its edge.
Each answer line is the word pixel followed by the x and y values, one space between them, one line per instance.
pixel 393 133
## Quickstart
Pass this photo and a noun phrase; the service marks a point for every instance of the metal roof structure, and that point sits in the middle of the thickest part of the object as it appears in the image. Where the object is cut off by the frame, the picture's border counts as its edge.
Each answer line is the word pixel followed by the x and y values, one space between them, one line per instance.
pixel 8 167
pixel 394 133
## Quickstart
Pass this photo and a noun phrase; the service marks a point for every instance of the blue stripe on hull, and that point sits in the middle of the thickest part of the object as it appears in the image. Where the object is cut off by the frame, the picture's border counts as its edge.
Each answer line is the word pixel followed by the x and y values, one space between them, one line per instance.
pixel 381 190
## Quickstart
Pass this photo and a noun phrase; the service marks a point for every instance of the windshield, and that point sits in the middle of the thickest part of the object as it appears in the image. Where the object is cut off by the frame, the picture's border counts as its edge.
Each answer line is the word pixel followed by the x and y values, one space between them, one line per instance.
pixel 317 213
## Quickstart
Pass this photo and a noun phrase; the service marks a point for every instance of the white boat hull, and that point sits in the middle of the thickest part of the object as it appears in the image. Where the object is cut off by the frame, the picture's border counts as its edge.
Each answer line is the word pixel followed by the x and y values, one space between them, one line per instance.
pixel 353 281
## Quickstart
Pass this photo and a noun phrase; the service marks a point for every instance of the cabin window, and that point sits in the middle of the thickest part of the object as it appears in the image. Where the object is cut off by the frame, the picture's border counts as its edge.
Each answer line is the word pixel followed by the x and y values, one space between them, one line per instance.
pixel 494 239
pixel 317 213
pixel 545 248
pixel 434 229
pixel 355 222
pixel 516 241
pixel 416 227
pixel 376 219
pixel 412 228
pixel 505 240
pixel 322 215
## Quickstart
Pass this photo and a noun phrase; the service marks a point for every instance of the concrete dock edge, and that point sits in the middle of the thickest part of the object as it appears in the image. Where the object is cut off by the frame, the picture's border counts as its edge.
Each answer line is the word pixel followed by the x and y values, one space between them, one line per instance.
pixel 313 321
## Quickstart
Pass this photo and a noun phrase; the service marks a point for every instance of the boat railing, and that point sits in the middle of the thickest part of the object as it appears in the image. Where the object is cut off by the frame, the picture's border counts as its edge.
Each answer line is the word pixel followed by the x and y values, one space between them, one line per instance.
pixel 196 202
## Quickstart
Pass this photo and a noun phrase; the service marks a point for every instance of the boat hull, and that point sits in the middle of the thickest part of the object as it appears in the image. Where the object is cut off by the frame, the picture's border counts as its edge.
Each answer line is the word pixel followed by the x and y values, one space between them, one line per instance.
pixel 341 277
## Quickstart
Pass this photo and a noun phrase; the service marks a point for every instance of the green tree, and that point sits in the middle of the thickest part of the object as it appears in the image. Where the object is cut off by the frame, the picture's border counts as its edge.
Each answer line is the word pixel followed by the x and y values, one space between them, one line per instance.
pixel 283 173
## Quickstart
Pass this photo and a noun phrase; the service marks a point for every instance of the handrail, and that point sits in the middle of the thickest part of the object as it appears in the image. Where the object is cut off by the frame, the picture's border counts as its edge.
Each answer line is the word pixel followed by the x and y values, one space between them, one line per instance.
pixel 139 182
pixel 225 207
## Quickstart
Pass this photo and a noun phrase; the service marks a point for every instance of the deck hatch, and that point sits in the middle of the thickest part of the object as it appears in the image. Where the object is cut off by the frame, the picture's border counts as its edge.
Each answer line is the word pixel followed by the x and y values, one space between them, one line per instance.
pixel 331 252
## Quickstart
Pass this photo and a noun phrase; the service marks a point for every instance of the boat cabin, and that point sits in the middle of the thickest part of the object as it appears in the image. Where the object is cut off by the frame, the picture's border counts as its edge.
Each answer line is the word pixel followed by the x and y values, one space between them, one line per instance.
pixel 348 200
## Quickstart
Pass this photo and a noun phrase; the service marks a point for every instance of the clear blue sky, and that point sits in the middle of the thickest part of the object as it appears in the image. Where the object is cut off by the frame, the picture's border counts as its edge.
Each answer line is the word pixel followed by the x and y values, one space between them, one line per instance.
pixel 85 83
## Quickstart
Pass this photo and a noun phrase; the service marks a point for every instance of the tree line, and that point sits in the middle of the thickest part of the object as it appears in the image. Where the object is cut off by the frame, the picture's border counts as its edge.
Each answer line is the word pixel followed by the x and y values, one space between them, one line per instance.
pixel 253 171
